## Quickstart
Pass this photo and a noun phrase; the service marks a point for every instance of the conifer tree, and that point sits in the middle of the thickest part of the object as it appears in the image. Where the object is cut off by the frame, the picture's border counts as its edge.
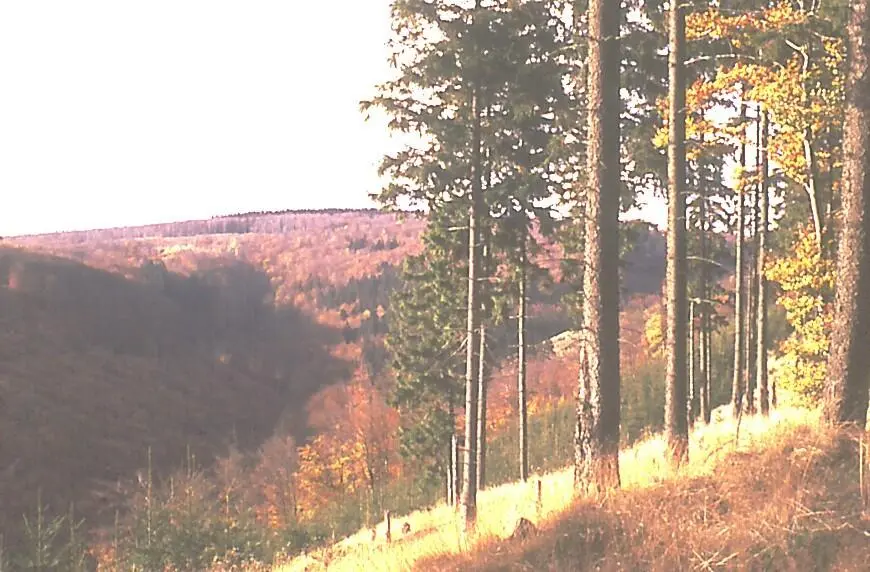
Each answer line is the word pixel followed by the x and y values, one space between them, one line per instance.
pixel 425 340
pixel 676 422
pixel 738 384
pixel 596 448
pixel 482 84
pixel 846 392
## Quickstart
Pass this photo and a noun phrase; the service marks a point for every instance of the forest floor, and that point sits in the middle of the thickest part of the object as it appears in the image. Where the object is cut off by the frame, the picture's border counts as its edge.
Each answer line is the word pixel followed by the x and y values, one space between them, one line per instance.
pixel 777 493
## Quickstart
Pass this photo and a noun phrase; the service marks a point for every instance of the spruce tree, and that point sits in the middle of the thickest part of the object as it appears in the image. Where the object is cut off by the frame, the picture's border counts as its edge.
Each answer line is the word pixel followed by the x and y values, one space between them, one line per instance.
pixel 676 423
pixel 596 447
pixel 846 391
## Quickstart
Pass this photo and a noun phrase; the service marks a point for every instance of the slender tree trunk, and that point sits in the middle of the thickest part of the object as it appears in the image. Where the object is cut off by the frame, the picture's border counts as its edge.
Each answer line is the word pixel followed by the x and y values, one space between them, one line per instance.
pixel 456 477
pixel 693 368
pixel 761 309
pixel 846 392
pixel 448 489
pixel 709 377
pixel 812 186
pixel 752 262
pixel 676 423
pixel 468 507
pixel 483 366
pixel 704 382
pixel 452 458
pixel 482 372
pixel 483 381
pixel 812 173
pixel 521 364
pixel 596 437
pixel 739 294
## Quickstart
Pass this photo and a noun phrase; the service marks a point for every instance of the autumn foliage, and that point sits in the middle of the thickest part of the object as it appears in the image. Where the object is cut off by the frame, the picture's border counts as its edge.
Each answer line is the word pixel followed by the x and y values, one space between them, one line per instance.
pixel 806 283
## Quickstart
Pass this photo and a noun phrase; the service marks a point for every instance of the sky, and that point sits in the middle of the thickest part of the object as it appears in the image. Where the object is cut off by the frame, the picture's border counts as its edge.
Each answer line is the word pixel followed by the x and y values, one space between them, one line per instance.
pixel 115 112
pixel 122 112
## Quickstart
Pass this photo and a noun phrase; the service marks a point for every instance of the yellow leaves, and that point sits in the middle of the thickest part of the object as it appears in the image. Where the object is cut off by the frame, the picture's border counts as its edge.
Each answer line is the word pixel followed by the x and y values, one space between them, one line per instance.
pixel 803 95
pixel 654 331
pixel 701 97
pixel 806 281
pixel 738 27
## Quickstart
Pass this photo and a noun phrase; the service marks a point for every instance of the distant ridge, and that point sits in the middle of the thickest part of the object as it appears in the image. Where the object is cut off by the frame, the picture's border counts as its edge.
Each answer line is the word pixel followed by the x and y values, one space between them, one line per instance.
pixel 329 211
pixel 261 222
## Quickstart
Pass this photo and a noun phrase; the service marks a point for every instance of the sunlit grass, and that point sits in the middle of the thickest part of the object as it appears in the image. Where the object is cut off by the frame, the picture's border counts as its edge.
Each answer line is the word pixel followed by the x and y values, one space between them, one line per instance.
pixel 437 531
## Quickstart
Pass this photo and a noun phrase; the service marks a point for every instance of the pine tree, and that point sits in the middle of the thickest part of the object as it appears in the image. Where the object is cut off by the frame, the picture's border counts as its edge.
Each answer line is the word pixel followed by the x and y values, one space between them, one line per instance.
pixel 483 83
pixel 846 393
pixel 676 423
pixel 596 457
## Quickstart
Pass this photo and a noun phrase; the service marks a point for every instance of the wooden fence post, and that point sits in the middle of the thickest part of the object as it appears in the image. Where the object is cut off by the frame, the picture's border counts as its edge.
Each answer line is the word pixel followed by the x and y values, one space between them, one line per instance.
pixel 388 534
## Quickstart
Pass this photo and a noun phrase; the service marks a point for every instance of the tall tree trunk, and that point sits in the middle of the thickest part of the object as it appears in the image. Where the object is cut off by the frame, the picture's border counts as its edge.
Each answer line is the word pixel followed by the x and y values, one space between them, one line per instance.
pixel 752 306
pixel 676 423
pixel 452 458
pixel 596 437
pixel 708 359
pixel 521 364
pixel 468 507
pixel 761 304
pixel 849 360
pixel 704 326
pixel 485 294
pixel 739 292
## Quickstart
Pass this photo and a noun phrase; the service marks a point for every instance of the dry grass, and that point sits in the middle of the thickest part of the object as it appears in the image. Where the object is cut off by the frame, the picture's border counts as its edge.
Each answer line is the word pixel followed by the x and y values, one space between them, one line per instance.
pixel 783 497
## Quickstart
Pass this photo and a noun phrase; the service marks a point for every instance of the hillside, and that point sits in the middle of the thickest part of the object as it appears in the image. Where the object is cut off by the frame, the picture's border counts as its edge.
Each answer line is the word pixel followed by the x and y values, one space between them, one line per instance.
pixel 95 368
pixel 112 345
pixel 785 496
pixel 207 334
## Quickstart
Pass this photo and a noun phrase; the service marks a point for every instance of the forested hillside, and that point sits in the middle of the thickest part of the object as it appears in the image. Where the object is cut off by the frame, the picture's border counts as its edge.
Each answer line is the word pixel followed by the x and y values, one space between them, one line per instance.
pixel 115 345
pixel 97 367
pixel 183 341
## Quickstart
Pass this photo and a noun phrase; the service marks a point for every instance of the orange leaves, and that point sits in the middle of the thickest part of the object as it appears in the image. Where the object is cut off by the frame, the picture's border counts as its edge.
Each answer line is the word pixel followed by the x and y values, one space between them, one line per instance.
pixel 356 448
pixel 276 480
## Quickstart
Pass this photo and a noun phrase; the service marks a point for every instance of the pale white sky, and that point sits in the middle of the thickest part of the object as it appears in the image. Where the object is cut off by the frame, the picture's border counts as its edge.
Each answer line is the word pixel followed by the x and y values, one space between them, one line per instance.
pixel 121 112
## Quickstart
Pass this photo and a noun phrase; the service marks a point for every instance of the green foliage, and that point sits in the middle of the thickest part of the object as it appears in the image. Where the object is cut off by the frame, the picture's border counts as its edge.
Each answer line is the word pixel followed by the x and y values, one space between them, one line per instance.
pixel 427 328
pixel 189 524
pixel 507 55
pixel 51 543
pixel 551 429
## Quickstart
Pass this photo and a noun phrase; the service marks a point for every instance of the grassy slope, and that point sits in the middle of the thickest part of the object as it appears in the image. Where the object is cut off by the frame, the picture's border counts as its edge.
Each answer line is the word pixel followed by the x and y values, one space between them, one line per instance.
pixel 785 496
